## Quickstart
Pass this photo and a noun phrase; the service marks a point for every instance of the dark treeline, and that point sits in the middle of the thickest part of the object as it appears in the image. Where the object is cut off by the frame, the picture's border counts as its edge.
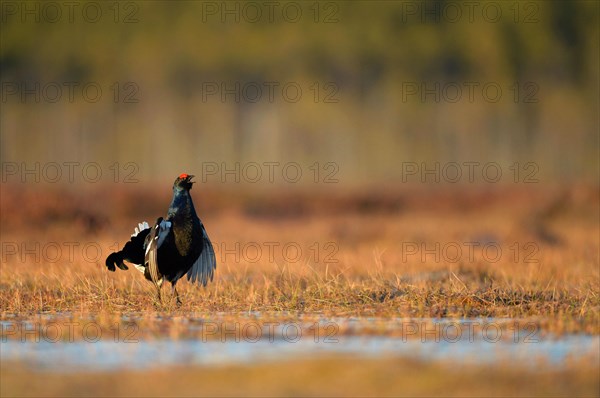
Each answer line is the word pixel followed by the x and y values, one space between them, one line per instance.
pixel 367 86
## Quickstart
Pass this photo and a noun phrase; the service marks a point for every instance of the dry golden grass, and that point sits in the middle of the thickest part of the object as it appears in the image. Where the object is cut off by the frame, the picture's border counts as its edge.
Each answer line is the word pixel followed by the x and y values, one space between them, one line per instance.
pixel 354 259
pixel 366 273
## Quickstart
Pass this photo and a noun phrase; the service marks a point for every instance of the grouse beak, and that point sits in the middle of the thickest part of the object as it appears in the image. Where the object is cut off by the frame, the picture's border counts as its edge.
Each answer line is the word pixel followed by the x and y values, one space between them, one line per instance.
pixel 189 179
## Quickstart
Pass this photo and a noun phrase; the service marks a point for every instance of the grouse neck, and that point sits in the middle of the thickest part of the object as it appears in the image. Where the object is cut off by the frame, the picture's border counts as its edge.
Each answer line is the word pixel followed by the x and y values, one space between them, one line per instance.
pixel 181 205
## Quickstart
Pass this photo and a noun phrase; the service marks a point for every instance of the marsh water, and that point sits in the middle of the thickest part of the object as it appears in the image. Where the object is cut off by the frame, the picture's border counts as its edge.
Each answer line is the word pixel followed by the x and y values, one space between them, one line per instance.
pixel 465 341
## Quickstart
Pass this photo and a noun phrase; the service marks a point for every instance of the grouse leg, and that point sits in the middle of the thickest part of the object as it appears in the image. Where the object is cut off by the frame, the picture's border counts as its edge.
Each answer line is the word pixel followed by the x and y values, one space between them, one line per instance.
pixel 176 294
pixel 158 296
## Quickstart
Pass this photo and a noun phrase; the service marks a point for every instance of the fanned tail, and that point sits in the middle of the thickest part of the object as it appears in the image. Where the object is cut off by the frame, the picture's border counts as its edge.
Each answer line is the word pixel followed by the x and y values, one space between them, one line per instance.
pixel 133 251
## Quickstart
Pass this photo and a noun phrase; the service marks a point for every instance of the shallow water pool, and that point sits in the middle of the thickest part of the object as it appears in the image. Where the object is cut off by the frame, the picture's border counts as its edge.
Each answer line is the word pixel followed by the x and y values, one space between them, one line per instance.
pixel 449 342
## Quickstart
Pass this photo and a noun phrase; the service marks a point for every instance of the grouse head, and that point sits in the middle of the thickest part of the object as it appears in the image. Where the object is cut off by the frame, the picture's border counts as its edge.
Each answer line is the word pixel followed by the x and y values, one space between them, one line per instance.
pixel 183 182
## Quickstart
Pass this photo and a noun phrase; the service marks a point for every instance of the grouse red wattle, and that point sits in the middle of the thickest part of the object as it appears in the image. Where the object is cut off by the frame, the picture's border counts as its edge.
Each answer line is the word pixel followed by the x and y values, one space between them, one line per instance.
pixel 175 246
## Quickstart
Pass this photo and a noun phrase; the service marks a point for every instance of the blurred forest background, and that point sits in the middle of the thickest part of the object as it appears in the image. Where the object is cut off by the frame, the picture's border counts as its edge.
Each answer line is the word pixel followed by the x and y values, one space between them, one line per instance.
pixel 364 68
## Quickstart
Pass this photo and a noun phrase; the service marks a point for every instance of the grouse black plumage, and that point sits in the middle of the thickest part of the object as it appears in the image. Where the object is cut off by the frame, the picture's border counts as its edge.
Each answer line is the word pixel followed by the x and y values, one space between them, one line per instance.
pixel 172 248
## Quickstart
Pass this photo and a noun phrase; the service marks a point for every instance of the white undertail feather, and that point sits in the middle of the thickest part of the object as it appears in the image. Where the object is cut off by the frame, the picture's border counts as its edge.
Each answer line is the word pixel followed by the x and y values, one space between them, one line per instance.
pixel 141 227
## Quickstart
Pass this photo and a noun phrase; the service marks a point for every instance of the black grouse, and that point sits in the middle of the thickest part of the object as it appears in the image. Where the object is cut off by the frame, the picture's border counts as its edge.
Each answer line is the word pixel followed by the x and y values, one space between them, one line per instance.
pixel 174 247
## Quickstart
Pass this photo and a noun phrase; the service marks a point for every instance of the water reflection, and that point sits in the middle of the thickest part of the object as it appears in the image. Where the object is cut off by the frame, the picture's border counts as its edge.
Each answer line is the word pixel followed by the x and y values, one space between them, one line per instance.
pixel 445 340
